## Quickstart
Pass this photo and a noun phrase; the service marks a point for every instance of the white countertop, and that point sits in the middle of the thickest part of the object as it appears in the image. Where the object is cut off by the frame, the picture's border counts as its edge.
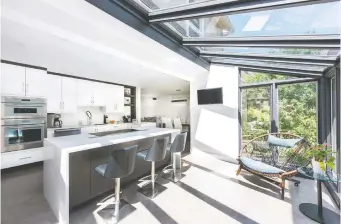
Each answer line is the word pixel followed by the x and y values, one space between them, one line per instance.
pixel 75 143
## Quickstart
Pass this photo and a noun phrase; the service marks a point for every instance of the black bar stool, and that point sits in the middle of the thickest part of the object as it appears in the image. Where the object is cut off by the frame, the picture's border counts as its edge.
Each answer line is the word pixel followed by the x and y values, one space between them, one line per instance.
pixel 176 148
pixel 121 164
pixel 156 152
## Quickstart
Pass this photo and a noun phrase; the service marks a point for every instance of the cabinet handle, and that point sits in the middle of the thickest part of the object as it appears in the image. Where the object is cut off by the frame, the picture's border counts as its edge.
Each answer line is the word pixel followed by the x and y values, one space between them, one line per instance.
pixel 23 87
pixel 60 105
pixel 26 88
pixel 63 106
pixel 25 158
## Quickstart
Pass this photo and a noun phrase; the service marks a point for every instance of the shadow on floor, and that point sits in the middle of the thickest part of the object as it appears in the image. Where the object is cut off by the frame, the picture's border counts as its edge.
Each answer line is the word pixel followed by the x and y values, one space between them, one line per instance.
pixel 157 212
pixel 217 205
pixel 273 190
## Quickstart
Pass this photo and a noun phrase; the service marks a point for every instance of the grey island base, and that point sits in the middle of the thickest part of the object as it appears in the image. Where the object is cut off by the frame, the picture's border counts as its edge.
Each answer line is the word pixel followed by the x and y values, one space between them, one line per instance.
pixel 69 174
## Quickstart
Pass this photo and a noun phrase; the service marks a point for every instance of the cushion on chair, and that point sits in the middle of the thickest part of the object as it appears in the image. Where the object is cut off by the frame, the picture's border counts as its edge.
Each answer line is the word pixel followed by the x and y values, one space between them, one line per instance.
pixel 259 166
pixel 283 142
pixel 101 169
pixel 142 154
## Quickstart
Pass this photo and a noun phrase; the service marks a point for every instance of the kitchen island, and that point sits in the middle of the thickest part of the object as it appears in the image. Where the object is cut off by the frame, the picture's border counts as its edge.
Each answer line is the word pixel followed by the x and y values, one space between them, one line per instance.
pixel 69 176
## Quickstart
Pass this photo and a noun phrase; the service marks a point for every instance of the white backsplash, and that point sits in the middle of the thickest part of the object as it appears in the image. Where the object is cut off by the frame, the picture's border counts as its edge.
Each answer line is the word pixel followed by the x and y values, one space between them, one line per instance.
pixel 97 116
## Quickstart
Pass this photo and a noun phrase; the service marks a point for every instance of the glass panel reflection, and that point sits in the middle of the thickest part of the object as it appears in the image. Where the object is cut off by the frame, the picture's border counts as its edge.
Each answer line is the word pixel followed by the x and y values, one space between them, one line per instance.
pixel 303 20
pixel 271 64
pixel 164 4
pixel 274 51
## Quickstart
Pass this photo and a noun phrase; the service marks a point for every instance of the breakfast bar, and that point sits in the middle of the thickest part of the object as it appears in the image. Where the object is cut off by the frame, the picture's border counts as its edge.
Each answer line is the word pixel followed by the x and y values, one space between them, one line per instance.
pixel 69 172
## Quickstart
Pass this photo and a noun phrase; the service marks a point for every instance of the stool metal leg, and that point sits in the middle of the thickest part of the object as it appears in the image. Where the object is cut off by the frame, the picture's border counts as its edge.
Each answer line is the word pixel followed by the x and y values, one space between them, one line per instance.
pixel 175 175
pixel 117 199
pixel 152 189
pixel 153 179
pixel 118 210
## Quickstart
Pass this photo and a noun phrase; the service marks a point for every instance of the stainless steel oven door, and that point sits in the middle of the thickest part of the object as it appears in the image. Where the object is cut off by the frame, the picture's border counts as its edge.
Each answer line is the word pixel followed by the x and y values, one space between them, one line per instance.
pixel 14 107
pixel 22 134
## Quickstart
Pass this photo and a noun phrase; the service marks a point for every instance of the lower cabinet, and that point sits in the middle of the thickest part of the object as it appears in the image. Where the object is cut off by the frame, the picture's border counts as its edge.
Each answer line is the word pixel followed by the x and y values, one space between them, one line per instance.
pixel 79 177
pixel 86 183
pixel 99 184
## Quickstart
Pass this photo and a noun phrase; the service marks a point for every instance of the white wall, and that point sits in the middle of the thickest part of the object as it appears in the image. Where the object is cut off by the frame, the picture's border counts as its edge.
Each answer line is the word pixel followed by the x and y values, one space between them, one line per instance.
pixel 214 128
pixel 164 107
pixel 97 116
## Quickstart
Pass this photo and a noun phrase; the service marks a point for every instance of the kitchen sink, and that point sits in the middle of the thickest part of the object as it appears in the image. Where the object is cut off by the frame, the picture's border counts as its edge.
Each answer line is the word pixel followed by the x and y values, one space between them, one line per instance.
pixel 115 132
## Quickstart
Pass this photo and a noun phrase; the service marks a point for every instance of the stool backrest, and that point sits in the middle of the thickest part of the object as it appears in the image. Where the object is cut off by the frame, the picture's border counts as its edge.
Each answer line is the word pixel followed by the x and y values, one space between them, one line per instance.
pixel 121 162
pixel 177 123
pixel 168 122
pixel 158 150
pixel 179 143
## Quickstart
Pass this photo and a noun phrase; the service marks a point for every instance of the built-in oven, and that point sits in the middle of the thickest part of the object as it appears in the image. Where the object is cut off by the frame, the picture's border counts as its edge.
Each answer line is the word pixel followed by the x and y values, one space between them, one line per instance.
pixel 23 123
pixel 22 107
pixel 18 134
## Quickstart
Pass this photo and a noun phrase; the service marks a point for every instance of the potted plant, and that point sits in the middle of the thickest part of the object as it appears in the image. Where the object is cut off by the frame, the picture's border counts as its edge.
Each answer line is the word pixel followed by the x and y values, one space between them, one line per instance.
pixel 322 158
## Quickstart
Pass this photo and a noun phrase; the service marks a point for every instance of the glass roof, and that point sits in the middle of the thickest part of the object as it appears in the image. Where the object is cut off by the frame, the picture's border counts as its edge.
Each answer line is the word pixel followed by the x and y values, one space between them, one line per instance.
pixel 165 4
pixel 274 65
pixel 303 20
pixel 272 51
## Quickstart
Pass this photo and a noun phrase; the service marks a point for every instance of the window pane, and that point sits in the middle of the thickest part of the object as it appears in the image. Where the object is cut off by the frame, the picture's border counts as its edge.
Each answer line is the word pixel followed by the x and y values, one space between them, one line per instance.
pixel 273 51
pixel 271 64
pixel 258 77
pixel 255 112
pixel 164 4
pixel 303 20
pixel 297 110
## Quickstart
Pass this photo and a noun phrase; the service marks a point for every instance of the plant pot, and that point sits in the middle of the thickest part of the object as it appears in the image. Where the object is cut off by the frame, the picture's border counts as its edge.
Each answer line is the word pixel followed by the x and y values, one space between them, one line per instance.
pixel 317 168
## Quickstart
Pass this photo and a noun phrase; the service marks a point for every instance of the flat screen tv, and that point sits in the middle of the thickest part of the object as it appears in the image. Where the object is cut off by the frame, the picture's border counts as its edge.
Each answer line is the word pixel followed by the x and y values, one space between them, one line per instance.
pixel 210 96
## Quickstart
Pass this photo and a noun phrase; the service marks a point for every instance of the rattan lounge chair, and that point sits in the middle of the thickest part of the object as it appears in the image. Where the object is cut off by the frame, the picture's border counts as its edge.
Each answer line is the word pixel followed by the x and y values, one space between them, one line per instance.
pixel 275 157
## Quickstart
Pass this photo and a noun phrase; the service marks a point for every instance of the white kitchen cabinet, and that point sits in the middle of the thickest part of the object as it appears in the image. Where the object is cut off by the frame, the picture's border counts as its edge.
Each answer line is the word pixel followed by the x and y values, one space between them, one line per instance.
pixel 12 80
pixel 90 93
pixel 53 93
pixel 22 157
pixel 114 99
pixel 120 99
pixel 84 93
pixel 68 95
pixel 37 82
pixel 98 93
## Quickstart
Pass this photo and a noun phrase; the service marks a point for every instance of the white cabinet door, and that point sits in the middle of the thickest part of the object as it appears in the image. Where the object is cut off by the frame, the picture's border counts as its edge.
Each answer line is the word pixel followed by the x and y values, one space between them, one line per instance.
pixel 37 83
pixel 84 93
pixel 12 80
pixel 53 93
pixel 99 93
pixel 110 99
pixel 69 95
pixel 120 99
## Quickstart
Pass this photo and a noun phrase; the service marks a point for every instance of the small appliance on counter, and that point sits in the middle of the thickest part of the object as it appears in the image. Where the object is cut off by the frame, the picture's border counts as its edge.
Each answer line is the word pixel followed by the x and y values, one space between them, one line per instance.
pixel 66 132
pixel 54 121
pixel 126 119
pixel 105 119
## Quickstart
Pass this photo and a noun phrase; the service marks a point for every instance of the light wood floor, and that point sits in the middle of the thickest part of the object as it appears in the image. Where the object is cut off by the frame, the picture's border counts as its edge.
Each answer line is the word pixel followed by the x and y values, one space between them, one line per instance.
pixel 209 193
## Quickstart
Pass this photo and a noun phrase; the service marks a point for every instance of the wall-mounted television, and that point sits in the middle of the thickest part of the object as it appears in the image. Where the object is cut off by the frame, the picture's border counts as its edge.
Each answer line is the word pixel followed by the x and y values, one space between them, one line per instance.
pixel 210 96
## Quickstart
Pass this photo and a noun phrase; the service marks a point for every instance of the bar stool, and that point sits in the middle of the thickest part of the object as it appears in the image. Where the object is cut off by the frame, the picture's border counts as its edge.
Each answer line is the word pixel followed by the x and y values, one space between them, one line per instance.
pixel 176 148
pixel 121 163
pixel 156 152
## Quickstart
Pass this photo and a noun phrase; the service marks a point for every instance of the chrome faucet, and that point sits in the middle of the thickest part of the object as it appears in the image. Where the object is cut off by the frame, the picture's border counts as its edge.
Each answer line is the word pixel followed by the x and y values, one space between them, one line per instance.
pixel 89 117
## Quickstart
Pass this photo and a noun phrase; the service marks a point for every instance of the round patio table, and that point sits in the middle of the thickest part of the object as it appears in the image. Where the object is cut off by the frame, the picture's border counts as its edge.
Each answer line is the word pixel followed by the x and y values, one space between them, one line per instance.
pixel 317 212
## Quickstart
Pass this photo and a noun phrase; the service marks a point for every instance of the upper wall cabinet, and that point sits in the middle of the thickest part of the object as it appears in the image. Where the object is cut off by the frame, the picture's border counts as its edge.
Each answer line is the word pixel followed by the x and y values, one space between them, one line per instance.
pixel 90 93
pixel 69 95
pixel 62 95
pixel 38 83
pixel 12 80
